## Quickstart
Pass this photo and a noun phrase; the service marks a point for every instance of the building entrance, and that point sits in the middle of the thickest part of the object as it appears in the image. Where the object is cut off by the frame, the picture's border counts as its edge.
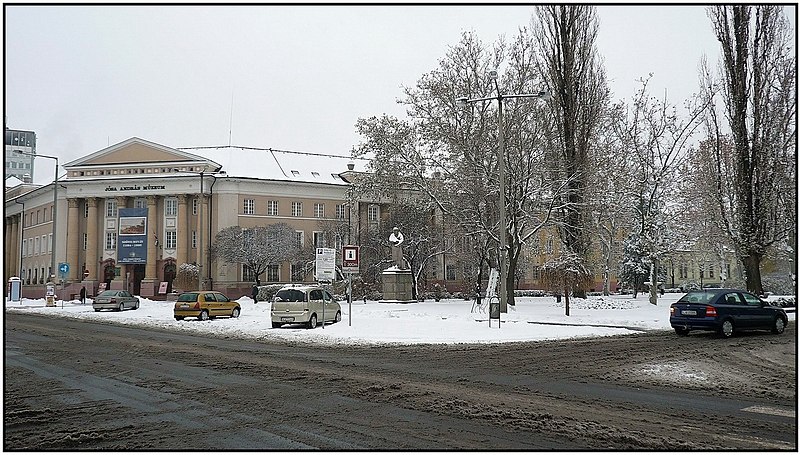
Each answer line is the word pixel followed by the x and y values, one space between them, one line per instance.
pixel 138 276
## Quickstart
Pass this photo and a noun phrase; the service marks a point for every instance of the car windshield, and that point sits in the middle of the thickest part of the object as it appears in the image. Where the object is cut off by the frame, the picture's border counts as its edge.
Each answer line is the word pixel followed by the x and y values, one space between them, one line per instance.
pixel 698 297
pixel 188 297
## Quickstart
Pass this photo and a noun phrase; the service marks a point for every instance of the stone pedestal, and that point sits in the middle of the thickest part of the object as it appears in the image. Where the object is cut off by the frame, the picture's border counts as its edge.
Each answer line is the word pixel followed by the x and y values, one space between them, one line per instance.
pixel 397 286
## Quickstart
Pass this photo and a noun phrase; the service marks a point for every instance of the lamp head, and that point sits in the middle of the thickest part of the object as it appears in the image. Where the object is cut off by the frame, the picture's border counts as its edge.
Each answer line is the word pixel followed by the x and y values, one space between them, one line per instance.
pixel 492 74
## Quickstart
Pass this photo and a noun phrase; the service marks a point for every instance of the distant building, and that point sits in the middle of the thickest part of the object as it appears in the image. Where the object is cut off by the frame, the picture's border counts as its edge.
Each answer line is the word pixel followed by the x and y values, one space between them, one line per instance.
pixel 19 164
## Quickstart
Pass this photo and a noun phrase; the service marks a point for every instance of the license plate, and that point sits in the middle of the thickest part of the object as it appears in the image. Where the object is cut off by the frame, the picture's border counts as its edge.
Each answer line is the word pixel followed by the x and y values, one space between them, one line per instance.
pixel 689 312
pixel 287 319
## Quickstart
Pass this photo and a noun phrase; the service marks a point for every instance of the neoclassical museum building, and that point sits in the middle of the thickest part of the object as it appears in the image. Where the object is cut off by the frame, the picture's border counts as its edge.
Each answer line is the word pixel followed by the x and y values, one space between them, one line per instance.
pixel 128 215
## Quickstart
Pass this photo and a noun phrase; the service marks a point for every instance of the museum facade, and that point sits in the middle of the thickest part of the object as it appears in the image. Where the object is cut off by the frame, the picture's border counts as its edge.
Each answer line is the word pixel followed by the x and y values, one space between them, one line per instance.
pixel 129 215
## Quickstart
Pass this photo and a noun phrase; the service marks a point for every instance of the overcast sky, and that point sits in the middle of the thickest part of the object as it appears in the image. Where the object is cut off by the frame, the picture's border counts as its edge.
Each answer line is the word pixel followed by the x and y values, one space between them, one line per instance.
pixel 286 77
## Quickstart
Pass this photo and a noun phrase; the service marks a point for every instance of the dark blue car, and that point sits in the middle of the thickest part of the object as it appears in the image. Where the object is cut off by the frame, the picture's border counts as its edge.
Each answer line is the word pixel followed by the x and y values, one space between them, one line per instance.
pixel 725 311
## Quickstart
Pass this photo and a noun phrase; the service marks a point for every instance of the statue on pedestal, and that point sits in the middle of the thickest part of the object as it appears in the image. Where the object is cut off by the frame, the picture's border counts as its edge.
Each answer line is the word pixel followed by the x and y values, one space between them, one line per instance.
pixel 396 239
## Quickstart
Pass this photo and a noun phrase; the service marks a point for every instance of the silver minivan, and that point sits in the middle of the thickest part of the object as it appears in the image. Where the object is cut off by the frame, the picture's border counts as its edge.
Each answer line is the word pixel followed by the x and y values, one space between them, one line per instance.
pixel 304 304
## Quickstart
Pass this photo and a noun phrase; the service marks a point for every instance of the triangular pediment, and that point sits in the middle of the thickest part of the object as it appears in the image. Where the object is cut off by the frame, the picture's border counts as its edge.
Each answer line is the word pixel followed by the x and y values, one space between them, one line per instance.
pixel 136 151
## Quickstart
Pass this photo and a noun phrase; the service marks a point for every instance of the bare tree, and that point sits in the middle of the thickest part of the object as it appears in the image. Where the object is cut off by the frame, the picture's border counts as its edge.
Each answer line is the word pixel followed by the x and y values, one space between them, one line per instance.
pixel 571 68
pixel 256 247
pixel 759 93
pixel 451 155
pixel 656 139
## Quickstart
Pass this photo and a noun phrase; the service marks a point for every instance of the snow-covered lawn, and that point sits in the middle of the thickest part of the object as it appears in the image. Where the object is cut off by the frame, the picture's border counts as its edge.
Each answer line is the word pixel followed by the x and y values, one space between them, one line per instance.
pixel 448 321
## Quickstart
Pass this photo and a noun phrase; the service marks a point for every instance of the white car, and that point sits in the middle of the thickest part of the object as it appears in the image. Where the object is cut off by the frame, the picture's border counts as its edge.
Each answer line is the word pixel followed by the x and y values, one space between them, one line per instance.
pixel 304 304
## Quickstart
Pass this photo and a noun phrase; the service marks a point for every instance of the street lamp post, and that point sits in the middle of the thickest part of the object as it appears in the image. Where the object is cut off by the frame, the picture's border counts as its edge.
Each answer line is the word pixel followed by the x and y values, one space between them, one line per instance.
pixel 200 226
pixel 463 101
pixel 55 207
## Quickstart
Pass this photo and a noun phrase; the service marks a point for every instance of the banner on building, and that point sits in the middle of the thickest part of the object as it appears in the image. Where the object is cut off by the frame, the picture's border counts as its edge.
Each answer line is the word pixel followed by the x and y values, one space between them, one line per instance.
pixel 132 241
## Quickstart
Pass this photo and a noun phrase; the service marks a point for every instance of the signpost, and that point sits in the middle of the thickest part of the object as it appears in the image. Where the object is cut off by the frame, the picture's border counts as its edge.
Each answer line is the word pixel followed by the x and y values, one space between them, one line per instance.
pixel 494 299
pixel 350 264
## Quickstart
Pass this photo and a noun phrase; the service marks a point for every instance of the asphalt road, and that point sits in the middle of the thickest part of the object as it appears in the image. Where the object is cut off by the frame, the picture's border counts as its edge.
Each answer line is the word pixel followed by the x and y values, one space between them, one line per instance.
pixel 74 385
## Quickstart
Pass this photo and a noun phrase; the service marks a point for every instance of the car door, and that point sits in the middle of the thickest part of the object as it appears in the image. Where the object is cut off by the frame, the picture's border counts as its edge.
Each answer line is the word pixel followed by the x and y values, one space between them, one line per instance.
pixel 757 314
pixel 225 304
pixel 331 307
pixel 731 303
pixel 316 302
pixel 211 303
pixel 127 299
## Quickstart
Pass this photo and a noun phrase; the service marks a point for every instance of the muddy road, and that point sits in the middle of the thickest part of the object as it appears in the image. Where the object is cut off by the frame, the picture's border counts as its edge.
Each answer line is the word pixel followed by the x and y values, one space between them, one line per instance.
pixel 74 385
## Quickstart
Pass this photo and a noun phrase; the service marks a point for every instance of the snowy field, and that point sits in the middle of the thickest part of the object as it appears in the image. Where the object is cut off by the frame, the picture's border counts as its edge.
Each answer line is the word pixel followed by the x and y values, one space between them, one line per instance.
pixel 448 321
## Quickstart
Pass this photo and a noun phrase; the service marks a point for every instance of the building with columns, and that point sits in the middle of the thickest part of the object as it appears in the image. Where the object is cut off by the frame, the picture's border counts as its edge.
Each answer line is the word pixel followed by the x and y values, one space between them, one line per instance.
pixel 187 197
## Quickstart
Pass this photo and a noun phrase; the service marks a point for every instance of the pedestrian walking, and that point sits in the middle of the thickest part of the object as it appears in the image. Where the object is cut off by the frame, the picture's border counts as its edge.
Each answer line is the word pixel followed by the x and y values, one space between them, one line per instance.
pixel 255 293
pixel 83 295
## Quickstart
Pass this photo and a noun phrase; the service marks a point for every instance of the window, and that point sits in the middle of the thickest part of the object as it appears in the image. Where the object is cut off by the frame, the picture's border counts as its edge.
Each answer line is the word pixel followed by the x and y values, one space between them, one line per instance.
pixel 300 238
pixel 44 244
pixel 247 273
pixel 272 208
pixel 111 208
pixel 30 247
pixel 170 207
pixel 86 210
pixel 549 246
pixel 49 243
pixel 341 211
pixel 24 247
pixel 111 240
pixel 45 215
pixel 140 203
pixel 171 240
pixel 38 213
pixel 298 273
pixel 273 274
pixel 711 271
pixel 249 207
pixel 451 272
pixel 194 239
pixel 297 209
pixel 372 213
pixel 319 210
pixel 194 206
pixel 37 245
pixel 320 240
pixel 85 241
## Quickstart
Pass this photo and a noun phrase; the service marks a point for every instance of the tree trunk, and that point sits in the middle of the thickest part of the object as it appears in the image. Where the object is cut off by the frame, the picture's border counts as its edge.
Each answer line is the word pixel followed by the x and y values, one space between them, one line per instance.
pixel 566 299
pixel 752 270
pixel 510 280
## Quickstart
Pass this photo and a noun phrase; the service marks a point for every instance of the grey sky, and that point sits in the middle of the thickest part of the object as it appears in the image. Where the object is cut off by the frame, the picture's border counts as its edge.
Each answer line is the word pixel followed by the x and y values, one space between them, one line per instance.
pixel 298 76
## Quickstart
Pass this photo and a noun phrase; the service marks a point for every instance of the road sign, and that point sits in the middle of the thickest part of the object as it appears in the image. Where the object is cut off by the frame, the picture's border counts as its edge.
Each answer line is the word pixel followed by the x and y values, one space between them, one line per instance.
pixel 350 258
pixel 63 268
pixel 326 264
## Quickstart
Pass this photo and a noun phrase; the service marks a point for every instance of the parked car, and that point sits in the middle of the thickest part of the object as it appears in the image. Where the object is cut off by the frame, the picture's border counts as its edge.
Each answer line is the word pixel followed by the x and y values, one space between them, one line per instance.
pixel 205 305
pixel 725 311
pixel 304 304
pixel 115 300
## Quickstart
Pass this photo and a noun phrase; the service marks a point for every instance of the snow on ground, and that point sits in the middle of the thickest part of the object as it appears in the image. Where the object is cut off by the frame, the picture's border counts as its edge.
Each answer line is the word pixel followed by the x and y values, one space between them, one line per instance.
pixel 448 321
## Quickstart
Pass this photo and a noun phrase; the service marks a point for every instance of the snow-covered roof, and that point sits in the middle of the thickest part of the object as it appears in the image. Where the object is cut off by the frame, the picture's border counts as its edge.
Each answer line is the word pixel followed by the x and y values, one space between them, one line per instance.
pixel 12 182
pixel 271 164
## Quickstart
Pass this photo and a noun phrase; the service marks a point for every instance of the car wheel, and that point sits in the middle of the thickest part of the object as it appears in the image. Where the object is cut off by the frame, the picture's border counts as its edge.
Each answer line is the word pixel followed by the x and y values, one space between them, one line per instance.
pixel 203 315
pixel 136 306
pixel 338 317
pixel 276 325
pixel 681 331
pixel 179 318
pixel 312 321
pixel 121 307
pixel 235 312
pixel 726 329
pixel 778 326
